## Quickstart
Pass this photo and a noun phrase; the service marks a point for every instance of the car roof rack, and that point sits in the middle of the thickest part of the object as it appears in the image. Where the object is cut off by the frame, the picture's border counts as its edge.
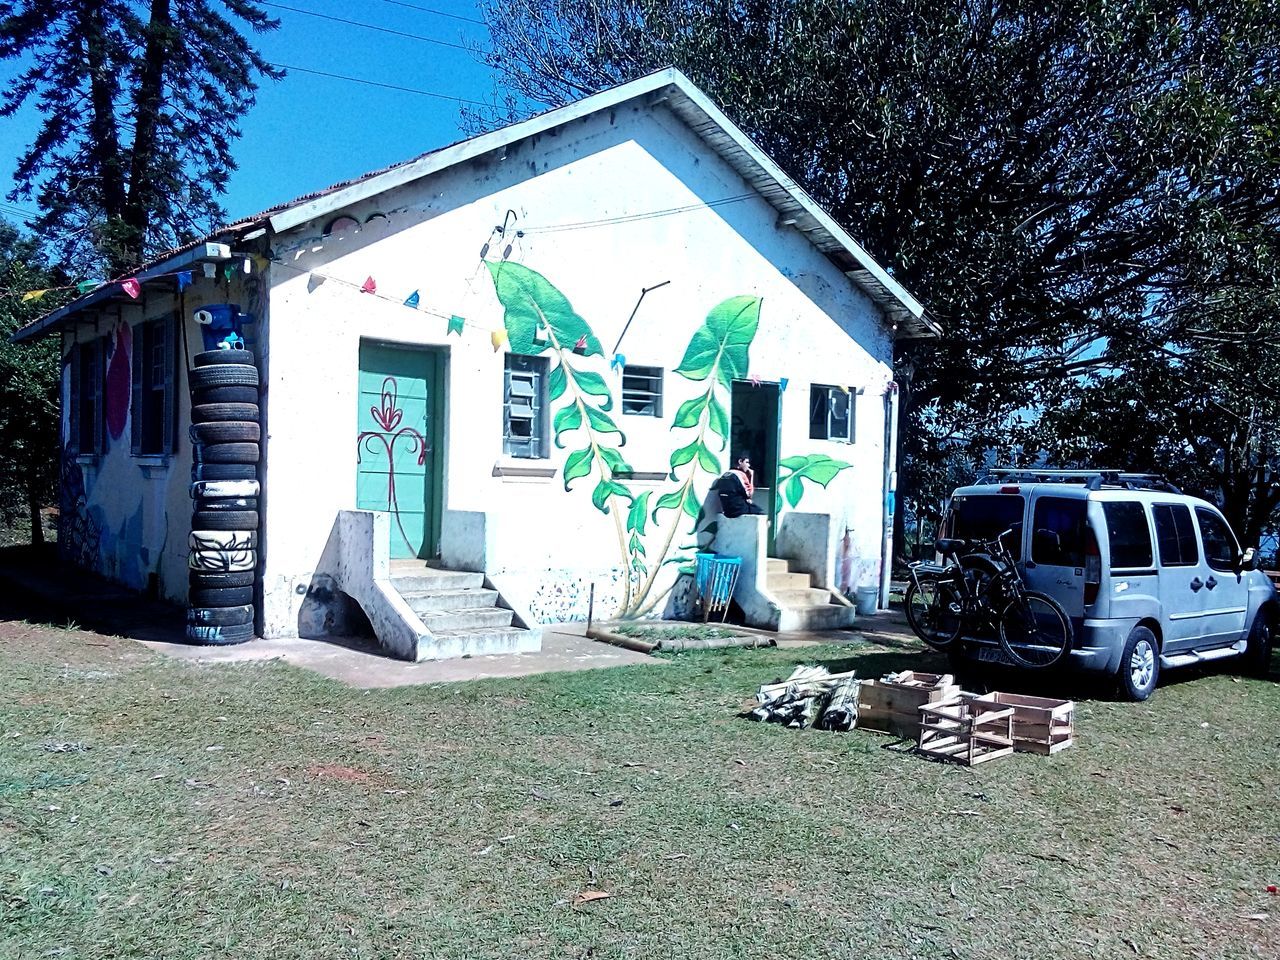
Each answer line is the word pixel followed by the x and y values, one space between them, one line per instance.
pixel 1091 479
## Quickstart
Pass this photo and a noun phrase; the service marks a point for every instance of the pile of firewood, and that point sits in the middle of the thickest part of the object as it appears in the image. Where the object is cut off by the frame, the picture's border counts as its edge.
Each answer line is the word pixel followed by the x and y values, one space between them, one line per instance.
pixel 810 697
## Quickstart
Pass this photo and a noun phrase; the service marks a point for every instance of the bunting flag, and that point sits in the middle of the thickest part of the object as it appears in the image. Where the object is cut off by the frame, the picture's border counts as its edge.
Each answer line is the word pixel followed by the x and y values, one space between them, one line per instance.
pixel 33 295
pixel 455 325
pixel 84 286
pixel 184 279
pixel 210 270
pixel 313 281
pixel 842 389
pixel 369 286
pixel 782 384
pixel 618 362
pixel 754 379
pixel 248 265
pixel 581 345
pixel 498 338
pixel 131 287
pixel 412 300
pixel 227 271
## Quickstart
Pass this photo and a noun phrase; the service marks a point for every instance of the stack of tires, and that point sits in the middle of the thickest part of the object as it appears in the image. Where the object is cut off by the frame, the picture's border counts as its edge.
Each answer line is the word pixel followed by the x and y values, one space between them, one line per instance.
pixel 224 488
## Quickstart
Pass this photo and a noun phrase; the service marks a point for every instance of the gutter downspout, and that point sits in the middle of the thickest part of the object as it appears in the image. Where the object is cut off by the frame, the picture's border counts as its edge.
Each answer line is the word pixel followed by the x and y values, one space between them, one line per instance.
pixel 890 490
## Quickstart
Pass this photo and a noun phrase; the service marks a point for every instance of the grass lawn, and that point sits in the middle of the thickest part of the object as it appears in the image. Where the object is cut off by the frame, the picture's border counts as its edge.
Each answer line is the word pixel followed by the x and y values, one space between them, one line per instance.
pixel 156 809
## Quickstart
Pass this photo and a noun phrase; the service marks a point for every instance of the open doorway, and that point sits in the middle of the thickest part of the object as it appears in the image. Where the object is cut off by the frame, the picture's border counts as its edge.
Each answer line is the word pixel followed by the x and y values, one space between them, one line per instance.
pixel 755 423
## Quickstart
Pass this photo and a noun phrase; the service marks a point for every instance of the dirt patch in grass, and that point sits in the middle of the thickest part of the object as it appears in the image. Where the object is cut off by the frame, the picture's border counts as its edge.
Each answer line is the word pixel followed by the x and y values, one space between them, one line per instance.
pixel 653 632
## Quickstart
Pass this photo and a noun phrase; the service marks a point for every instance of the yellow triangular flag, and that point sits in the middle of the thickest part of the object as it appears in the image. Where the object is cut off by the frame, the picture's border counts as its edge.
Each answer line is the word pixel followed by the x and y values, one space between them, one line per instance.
pixel 34 294
pixel 498 338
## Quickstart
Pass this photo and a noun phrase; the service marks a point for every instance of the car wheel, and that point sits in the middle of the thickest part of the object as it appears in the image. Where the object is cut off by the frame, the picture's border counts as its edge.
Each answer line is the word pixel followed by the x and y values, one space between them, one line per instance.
pixel 1257 655
pixel 1140 665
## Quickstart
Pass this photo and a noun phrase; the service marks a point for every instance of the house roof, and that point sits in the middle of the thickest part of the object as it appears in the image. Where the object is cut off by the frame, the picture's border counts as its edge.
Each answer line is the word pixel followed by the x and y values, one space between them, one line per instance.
pixel 670 87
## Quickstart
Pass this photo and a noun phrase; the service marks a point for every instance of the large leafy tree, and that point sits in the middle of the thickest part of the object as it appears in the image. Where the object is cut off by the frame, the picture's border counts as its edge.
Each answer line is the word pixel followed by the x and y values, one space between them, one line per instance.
pixel 29 448
pixel 140 104
pixel 1066 185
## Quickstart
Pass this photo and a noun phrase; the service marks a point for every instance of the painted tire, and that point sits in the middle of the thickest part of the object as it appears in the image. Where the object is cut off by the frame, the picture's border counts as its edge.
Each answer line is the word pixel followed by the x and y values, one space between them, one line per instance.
pixel 213 358
pixel 219 596
pixel 224 520
pixel 233 431
pixel 219 636
pixel 212 581
pixel 222 560
pixel 221 616
pixel 226 453
pixel 223 471
pixel 224 395
pixel 229 541
pixel 220 412
pixel 224 375
pixel 225 488
pixel 227 503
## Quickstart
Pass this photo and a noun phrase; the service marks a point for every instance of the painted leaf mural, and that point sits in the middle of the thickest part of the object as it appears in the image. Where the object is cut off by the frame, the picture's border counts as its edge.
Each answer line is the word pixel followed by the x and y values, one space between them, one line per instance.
pixel 815 467
pixel 538 317
pixel 720 346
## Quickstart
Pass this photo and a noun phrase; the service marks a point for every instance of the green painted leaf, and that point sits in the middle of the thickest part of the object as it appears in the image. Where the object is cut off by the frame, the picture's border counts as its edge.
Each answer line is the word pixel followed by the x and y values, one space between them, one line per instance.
pixel 683 456
pixel 614 460
pixel 690 411
pixel 822 469
pixel 639 515
pixel 701 356
pixel 592 383
pixel 692 502
pixel 601 422
pixel 668 501
pixel 793 463
pixel 708 461
pixel 606 489
pixel 556 383
pixel 577 465
pixel 570 418
pixel 720 346
pixel 719 421
pixel 688 570
pixel 795 490
pixel 530 300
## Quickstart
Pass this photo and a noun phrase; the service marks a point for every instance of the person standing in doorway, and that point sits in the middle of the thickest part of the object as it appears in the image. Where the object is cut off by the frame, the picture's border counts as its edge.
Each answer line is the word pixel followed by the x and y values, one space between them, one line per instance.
pixel 736 487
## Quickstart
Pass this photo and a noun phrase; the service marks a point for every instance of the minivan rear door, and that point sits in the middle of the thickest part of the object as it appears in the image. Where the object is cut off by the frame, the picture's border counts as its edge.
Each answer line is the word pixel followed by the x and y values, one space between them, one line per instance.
pixel 1182 576
pixel 1055 565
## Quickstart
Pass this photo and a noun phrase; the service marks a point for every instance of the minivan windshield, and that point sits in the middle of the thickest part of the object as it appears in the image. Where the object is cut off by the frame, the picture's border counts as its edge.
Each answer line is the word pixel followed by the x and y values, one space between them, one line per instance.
pixel 984 517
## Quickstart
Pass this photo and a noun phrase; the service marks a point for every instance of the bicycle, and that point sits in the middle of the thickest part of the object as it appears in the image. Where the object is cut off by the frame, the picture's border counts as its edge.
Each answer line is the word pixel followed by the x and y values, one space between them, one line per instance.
pixel 978 587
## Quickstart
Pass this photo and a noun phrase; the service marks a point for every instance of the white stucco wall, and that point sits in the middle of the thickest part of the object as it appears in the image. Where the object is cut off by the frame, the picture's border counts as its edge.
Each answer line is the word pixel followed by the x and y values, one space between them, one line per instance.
pixel 815 327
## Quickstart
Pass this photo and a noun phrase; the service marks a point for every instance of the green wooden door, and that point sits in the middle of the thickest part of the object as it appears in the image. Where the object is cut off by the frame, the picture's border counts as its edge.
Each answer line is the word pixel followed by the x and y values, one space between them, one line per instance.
pixel 397 465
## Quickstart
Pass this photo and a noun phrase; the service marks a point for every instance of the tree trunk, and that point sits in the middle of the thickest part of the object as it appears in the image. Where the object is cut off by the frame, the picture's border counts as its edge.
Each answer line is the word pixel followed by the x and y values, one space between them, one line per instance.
pixel 104 136
pixel 150 97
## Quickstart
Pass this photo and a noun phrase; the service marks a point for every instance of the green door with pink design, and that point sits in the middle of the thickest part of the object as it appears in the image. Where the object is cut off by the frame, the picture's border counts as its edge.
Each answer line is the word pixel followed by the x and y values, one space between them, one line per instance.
pixel 397 465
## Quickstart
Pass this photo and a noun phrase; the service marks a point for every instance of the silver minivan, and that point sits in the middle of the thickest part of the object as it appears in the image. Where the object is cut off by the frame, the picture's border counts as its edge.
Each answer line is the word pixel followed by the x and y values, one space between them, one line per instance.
pixel 1150 577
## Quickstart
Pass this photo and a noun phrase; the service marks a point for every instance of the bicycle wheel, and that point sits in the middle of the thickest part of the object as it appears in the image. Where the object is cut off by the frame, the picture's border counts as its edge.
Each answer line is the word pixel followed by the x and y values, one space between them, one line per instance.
pixel 933 612
pixel 1035 631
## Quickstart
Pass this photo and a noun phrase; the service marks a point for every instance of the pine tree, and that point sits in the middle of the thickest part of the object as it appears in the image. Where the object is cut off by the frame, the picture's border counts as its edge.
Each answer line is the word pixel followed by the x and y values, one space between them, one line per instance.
pixel 141 104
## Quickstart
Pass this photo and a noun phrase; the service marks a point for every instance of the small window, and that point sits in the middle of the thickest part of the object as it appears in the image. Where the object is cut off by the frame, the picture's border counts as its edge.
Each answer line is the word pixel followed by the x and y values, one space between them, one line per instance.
pixel 154 352
pixel 985 518
pixel 831 414
pixel 1175 535
pixel 1220 547
pixel 642 391
pixel 86 413
pixel 1128 534
pixel 524 417
pixel 1058 532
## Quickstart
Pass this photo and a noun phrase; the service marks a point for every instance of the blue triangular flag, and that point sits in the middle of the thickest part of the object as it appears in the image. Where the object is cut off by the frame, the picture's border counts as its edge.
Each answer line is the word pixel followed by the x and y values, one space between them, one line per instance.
pixel 618 361
pixel 184 280
pixel 412 300
pixel 782 384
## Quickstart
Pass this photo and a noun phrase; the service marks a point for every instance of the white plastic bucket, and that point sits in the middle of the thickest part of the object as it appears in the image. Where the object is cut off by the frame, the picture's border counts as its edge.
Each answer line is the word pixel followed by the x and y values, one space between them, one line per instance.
pixel 866 599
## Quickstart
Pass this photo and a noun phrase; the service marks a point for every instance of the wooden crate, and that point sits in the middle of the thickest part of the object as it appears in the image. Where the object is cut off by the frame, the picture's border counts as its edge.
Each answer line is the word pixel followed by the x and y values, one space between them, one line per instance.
pixel 1040 724
pixel 965 731
pixel 893 706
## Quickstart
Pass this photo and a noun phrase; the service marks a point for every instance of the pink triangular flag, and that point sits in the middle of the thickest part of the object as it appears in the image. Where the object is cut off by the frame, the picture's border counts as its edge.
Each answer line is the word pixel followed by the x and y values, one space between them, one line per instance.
pixel 131 287
pixel 582 343
pixel 369 286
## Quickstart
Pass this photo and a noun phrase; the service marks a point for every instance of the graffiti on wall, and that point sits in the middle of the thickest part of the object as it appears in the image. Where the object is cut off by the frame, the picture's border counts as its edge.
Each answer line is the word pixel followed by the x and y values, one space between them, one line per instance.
pixel 539 319
pixel 79 535
pixel 382 443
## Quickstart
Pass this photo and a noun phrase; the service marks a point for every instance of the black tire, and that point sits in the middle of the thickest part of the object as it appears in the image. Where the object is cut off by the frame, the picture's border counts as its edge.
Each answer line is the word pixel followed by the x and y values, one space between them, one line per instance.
pixel 221 616
pixel 931 611
pixel 1261 643
pixel 227 503
pixel 232 431
pixel 1139 665
pixel 226 453
pixel 212 358
pixel 225 395
pixel 221 412
pixel 224 520
pixel 1035 631
pixel 219 596
pixel 212 581
pixel 224 375
pixel 223 471
pixel 219 636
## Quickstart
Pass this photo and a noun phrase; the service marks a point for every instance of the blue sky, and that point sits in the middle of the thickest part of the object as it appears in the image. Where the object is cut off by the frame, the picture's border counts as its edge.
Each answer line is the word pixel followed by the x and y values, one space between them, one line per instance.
pixel 309 131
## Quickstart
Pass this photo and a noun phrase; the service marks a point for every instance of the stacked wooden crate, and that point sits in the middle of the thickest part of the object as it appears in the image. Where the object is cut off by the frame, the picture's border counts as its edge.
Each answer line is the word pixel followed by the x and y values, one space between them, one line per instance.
pixel 1040 724
pixel 968 731
pixel 892 705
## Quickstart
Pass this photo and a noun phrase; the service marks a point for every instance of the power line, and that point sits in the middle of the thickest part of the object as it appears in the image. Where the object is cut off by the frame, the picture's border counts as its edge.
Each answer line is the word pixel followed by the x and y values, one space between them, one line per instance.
pixel 375 83
pixel 438 13
pixel 367 26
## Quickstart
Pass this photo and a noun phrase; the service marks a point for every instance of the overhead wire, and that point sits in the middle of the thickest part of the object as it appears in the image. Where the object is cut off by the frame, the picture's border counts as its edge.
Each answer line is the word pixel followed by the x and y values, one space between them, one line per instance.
pixel 376 83
pixel 366 26
pixel 438 13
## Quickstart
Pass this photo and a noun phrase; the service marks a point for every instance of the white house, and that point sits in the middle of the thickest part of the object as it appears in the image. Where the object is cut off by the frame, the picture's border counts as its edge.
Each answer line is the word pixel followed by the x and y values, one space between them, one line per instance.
pixel 525 358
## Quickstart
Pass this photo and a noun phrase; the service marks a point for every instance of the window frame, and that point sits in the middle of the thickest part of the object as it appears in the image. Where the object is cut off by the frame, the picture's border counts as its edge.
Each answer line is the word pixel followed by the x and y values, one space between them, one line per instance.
pixel 822 429
pixel 1195 534
pixel 1230 566
pixel 1150 562
pixel 1064 557
pixel 92 352
pixel 640 372
pixel 539 436
pixel 154 358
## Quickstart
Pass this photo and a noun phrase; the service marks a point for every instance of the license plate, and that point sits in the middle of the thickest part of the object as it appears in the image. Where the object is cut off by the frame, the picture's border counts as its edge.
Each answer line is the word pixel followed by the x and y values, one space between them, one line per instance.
pixel 993 655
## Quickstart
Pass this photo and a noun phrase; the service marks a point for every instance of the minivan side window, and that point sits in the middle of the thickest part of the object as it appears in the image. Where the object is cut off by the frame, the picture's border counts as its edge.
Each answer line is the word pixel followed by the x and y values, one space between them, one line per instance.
pixel 1176 535
pixel 1128 532
pixel 1058 532
pixel 1220 547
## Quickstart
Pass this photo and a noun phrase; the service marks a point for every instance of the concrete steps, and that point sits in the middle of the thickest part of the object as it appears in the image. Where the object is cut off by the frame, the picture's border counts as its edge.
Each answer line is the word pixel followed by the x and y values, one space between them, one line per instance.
pixel 804 606
pixel 462 614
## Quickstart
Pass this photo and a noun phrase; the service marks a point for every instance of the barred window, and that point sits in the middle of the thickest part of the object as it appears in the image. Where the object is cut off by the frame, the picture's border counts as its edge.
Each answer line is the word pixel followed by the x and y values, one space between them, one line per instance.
pixel 642 391
pixel 524 417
